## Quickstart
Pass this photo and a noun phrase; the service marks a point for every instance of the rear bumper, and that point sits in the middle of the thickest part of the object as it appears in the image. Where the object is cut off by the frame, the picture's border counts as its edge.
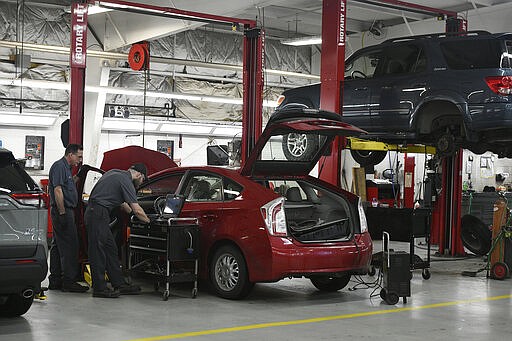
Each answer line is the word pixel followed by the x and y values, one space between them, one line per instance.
pixel 491 118
pixel 292 259
pixel 20 274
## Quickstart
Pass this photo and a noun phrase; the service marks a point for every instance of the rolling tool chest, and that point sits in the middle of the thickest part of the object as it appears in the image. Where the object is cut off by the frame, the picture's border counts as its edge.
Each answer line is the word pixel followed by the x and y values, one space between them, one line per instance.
pixel 167 248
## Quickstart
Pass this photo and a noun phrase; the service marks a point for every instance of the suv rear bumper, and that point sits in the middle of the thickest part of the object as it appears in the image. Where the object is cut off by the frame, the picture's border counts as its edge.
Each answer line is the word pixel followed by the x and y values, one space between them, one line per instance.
pixel 491 117
pixel 20 274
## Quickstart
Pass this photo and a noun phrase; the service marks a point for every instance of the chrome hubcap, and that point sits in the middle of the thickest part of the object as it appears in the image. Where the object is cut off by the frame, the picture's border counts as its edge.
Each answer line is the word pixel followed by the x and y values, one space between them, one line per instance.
pixel 227 272
pixel 297 144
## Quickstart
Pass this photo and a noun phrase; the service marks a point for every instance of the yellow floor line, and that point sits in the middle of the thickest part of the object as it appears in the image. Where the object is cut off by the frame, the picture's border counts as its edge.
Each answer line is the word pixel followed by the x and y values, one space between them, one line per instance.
pixel 317 319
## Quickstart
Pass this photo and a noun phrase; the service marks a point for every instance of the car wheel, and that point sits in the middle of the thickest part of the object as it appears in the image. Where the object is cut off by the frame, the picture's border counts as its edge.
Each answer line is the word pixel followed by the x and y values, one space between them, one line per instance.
pixel 476 237
pixel 368 157
pixel 330 284
pixel 15 305
pixel 297 147
pixel 229 277
pixel 445 144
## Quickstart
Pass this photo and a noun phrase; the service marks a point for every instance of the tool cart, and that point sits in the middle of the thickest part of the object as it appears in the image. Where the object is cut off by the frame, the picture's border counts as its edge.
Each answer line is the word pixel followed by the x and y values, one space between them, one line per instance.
pixel 167 248
pixel 404 225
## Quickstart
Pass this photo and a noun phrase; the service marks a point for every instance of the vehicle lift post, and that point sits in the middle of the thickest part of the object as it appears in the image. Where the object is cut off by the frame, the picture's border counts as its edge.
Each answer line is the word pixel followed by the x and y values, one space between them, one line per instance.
pixel 253 57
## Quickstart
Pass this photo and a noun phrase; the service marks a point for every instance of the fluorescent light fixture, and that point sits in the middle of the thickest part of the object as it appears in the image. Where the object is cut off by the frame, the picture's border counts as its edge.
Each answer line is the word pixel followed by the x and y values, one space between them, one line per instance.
pixel 123 124
pixel 227 131
pixel 44 84
pixel 301 41
pixel 95 9
pixel 186 129
pixel 27 119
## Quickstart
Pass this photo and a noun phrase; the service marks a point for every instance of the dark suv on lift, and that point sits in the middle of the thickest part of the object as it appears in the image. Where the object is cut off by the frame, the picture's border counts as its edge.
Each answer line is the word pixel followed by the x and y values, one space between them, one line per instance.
pixel 446 90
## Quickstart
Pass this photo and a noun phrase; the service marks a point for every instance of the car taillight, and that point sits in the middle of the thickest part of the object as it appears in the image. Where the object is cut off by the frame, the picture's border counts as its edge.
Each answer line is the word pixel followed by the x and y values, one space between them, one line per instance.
pixel 274 217
pixel 362 217
pixel 32 199
pixel 502 85
pixel 280 100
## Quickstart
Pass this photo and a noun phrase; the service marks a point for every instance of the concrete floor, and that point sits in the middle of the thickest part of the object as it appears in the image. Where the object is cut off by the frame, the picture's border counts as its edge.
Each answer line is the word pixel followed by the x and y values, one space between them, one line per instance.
pixel 446 307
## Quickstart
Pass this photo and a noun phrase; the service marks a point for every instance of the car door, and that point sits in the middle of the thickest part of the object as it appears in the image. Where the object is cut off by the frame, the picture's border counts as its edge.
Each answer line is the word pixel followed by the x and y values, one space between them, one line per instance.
pixel 357 89
pixel 398 87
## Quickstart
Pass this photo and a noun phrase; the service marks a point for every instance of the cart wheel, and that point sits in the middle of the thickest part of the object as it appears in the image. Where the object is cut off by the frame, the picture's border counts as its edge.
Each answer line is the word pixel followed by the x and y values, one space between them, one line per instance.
pixel 194 293
pixel 383 294
pixel 371 271
pixel 165 295
pixel 499 270
pixel 425 273
pixel 392 298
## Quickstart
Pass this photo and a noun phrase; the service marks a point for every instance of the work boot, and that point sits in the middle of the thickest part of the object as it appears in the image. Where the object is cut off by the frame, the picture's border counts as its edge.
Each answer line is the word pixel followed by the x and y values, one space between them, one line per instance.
pixel 74 287
pixel 127 289
pixel 107 293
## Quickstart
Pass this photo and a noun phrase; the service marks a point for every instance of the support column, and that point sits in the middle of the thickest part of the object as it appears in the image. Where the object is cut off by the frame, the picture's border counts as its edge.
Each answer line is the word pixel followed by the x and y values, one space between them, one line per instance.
pixel 97 75
pixel 331 75
pixel 252 116
pixel 78 63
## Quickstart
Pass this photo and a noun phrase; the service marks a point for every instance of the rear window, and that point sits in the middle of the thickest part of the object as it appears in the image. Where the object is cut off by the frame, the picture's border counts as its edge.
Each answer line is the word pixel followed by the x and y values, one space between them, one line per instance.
pixel 472 54
pixel 14 179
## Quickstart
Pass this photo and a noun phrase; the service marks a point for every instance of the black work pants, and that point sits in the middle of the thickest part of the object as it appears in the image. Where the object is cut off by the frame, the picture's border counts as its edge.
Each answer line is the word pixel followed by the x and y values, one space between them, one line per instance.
pixel 103 254
pixel 64 249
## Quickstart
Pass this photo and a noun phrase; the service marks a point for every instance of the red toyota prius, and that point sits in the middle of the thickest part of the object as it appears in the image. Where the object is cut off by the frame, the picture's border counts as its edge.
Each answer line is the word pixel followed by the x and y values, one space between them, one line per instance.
pixel 270 220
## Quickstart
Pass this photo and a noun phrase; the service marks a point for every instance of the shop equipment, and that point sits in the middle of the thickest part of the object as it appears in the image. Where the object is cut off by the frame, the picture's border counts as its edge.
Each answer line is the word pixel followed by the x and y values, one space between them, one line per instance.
pixel 402 224
pixel 167 248
pixel 396 274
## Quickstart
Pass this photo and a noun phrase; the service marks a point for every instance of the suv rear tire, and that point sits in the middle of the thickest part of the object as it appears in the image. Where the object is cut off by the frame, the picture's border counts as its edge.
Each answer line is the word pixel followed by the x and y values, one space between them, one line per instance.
pixel 368 157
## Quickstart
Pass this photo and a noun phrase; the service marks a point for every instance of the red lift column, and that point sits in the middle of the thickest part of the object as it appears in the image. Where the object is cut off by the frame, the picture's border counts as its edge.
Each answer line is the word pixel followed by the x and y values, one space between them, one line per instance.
pixel 332 71
pixel 78 63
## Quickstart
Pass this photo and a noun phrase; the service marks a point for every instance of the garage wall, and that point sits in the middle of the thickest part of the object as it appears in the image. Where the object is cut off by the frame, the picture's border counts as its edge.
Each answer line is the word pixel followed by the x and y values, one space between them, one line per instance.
pixel 192 153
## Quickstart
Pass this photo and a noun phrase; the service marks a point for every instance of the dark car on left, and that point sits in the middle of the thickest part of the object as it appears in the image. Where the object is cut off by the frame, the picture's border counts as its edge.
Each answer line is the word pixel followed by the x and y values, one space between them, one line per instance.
pixel 23 248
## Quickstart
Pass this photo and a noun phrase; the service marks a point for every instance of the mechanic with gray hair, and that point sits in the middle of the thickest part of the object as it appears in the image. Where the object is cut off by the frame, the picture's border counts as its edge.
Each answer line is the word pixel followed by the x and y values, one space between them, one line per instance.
pixel 116 188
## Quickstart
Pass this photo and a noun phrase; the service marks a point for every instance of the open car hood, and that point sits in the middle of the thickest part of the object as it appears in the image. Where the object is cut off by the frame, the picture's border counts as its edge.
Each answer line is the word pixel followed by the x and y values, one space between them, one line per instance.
pixel 318 127
pixel 123 158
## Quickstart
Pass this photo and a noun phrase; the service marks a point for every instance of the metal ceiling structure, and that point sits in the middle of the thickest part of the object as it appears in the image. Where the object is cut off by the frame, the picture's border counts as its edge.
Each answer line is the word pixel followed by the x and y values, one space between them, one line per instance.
pixel 280 18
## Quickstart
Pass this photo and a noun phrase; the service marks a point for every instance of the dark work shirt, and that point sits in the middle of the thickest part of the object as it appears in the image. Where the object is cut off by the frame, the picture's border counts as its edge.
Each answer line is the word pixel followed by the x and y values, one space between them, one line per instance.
pixel 60 175
pixel 114 188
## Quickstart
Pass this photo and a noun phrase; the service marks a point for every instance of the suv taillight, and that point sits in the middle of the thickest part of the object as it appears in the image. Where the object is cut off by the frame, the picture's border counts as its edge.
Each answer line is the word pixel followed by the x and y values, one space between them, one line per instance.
pixel 274 217
pixel 32 199
pixel 502 85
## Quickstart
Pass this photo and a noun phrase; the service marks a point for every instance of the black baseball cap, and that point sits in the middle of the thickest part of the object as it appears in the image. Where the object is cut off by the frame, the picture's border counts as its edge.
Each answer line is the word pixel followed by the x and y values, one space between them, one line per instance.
pixel 141 168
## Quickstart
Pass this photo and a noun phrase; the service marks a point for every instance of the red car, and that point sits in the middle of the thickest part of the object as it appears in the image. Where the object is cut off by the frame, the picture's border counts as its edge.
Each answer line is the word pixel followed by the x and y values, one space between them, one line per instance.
pixel 271 220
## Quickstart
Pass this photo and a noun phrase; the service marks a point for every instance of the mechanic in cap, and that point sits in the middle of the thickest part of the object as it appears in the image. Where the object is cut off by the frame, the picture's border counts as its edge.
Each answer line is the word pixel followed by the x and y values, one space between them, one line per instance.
pixel 116 188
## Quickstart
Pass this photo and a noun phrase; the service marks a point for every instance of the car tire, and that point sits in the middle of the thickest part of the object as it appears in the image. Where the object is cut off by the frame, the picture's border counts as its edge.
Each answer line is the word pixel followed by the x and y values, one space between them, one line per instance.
pixel 15 305
pixel 330 284
pixel 229 277
pixel 476 237
pixel 298 147
pixel 368 157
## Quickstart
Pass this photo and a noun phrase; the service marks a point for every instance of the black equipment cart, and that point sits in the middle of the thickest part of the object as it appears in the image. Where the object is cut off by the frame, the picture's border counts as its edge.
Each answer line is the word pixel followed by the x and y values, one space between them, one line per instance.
pixel 167 248
pixel 402 224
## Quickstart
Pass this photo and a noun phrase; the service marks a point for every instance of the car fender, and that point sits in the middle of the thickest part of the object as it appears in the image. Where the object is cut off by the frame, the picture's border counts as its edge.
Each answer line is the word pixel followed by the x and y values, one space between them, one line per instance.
pixel 448 96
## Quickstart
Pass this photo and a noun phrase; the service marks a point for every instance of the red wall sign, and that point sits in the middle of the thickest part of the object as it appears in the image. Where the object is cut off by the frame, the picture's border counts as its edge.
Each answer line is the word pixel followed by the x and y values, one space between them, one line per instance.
pixel 79 35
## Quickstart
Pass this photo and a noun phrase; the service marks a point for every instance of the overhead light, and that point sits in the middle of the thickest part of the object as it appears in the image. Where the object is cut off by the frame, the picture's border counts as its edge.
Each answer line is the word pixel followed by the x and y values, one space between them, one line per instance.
pixel 227 131
pixel 44 84
pixel 122 124
pixel 8 118
pixel 95 9
pixel 185 129
pixel 301 41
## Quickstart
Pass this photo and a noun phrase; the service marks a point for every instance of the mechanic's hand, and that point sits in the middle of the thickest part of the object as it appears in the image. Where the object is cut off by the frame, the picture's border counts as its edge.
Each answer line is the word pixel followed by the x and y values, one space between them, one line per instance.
pixel 63 219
